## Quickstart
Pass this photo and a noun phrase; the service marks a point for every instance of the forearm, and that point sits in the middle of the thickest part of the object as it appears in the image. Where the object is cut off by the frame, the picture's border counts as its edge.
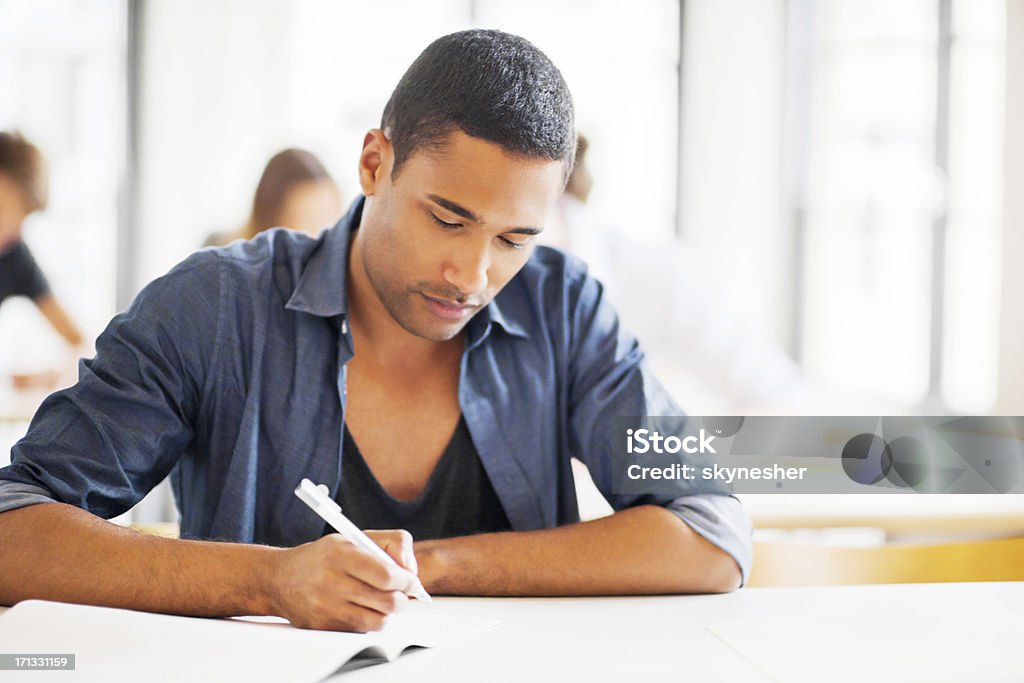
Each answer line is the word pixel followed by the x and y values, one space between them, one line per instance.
pixel 58 552
pixel 642 550
pixel 61 321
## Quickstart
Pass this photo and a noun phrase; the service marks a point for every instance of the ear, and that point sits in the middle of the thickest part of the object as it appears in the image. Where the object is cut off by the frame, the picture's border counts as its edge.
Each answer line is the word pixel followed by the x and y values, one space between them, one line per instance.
pixel 375 161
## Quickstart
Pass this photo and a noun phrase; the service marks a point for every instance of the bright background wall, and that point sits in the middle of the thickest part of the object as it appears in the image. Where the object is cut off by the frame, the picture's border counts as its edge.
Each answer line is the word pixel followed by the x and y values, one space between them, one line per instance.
pixel 836 176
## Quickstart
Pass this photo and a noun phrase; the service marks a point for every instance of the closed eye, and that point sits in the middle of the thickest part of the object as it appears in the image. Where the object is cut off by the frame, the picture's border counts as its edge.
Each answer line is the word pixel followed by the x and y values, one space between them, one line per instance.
pixel 513 245
pixel 445 224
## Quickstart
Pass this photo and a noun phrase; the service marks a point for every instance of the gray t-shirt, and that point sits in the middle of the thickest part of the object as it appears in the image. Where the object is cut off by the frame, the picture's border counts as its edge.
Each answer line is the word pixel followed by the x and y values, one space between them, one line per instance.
pixel 458 499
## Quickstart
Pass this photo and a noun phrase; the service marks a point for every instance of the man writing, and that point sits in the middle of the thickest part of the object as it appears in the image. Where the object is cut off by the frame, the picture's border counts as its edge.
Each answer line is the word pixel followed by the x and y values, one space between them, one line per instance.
pixel 421 359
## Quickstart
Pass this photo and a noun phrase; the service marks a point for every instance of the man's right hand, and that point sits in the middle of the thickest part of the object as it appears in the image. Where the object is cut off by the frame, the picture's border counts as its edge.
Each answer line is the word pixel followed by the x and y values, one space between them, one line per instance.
pixel 331 584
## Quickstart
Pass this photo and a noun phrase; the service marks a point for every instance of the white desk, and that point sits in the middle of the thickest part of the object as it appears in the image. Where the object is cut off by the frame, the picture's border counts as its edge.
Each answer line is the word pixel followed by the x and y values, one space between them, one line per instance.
pixel 643 638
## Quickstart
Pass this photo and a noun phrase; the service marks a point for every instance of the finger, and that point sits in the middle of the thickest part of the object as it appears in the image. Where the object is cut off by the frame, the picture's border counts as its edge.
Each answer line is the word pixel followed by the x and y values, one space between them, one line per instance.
pixel 385 576
pixel 352 617
pixel 398 543
pixel 357 592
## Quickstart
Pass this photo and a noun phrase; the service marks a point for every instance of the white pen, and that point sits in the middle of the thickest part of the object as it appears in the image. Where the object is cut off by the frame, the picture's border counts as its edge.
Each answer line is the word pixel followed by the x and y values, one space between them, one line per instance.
pixel 330 511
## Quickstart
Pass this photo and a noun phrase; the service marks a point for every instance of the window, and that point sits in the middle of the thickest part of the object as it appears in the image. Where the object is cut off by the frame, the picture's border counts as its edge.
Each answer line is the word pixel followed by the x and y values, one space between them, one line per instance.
pixel 621 61
pixel 63 86
pixel 898 229
pixel 62 75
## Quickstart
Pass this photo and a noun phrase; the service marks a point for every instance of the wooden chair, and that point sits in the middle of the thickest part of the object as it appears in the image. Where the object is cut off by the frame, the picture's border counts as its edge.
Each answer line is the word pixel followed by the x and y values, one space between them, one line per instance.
pixel 802 564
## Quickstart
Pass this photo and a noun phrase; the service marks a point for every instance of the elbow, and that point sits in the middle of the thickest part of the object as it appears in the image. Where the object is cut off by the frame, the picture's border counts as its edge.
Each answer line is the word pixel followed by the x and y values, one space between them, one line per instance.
pixel 723 574
pixel 716 571
pixel 696 565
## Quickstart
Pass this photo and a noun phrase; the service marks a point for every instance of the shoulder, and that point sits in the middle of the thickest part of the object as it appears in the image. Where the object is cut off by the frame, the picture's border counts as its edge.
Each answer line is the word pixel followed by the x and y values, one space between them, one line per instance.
pixel 267 248
pixel 20 275
pixel 553 274
pixel 274 257
pixel 551 294
pixel 213 272
pixel 18 254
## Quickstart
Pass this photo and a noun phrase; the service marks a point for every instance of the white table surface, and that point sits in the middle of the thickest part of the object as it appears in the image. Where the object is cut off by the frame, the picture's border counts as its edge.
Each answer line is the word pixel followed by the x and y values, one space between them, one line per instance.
pixel 638 638
pixel 641 638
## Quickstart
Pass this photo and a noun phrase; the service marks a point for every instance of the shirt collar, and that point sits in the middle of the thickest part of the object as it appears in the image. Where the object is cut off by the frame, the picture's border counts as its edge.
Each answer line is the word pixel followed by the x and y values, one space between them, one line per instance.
pixel 323 286
pixel 503 316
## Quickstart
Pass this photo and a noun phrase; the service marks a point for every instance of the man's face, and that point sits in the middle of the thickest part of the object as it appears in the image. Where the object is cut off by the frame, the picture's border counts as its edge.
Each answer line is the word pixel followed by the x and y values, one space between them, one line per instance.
pixel 443 238
pixel 12 212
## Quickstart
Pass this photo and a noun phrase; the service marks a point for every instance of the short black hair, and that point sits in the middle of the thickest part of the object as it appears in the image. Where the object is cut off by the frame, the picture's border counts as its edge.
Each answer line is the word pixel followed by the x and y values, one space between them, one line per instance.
pixel 490 85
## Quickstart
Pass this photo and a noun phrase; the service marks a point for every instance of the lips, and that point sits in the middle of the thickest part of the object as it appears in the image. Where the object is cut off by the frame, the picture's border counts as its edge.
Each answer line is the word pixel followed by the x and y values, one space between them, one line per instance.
pixel 448 310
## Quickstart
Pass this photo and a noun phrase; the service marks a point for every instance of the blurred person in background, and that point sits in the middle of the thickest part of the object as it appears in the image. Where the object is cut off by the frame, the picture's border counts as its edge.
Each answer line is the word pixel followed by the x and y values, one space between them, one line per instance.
pixel 24 189
pixel 667 299
pixel 295 192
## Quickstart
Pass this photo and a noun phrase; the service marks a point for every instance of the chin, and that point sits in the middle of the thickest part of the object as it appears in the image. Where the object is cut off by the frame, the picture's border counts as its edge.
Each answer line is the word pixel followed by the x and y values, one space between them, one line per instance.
pixel 430 330
pixel 441 334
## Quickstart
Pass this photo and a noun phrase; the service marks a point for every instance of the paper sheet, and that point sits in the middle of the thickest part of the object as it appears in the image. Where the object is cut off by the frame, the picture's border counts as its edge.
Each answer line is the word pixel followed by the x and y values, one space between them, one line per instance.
pixel 121 645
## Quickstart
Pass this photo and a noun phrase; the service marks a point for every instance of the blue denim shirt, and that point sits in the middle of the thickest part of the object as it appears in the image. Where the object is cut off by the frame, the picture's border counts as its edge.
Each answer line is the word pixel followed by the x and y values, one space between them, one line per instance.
pixel 228 374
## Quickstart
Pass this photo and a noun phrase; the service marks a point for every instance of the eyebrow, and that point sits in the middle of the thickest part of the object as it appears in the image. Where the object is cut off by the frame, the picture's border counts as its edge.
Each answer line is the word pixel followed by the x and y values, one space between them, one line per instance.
pixel 457 209
pixel 463 212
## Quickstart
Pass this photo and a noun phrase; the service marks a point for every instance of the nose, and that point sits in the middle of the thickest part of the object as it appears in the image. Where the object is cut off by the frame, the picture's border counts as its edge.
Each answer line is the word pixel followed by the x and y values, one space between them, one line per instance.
pixel 467 269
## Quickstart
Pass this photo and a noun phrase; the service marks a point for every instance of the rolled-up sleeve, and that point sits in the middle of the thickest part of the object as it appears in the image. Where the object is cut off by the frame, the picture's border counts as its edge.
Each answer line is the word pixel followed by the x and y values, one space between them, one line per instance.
pixel 610 378
pixel 722 521
pixel 15 494
pixel 105 442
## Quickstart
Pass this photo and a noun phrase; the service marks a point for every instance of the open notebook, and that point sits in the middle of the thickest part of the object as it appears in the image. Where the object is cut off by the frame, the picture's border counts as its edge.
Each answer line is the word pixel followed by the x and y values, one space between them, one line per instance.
pixel 122 645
